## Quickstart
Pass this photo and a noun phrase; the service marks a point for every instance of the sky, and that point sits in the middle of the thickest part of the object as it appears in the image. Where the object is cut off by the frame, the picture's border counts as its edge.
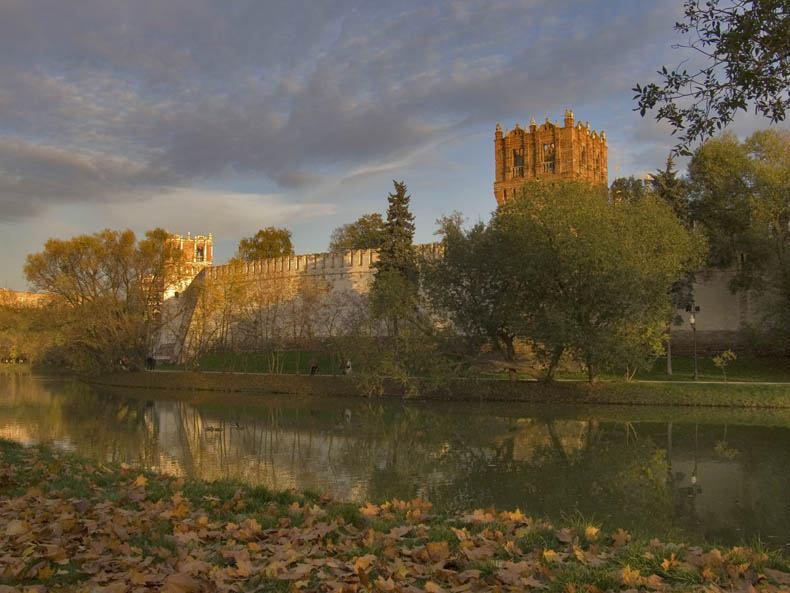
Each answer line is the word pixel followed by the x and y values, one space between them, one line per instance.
pixel 228 116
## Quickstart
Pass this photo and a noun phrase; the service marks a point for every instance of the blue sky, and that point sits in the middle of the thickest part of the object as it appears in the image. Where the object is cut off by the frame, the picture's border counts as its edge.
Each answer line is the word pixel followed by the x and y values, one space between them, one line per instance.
pixel 229 116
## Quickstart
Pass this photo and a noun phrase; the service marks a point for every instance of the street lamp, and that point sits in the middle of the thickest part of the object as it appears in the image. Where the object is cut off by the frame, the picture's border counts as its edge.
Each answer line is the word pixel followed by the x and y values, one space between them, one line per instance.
pixel 693 322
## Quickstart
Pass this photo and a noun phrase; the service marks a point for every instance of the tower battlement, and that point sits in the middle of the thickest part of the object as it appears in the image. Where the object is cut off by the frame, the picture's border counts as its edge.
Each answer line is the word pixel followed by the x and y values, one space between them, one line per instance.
pixel 548 152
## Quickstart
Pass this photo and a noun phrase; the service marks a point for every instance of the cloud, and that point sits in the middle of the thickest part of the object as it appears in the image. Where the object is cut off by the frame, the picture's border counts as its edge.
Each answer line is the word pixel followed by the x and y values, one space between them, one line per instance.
pixel 111 100
pixel 228 214
pixel 33 176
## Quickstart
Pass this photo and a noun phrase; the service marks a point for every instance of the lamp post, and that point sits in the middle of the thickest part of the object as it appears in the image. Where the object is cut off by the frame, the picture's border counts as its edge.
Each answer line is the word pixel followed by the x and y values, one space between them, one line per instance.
pixel 693 322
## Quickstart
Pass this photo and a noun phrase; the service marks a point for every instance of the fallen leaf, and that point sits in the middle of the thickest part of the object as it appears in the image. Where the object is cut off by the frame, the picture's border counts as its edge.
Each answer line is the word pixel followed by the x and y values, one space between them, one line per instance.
pixel 181 583
pixel 779 577
pixel 621 538
pixel 431 587
pixel 386 585
pixel 16 527
pixel 140 481
pixel 369 510
pixel 629 576
pixel 566 535
pixel 591 533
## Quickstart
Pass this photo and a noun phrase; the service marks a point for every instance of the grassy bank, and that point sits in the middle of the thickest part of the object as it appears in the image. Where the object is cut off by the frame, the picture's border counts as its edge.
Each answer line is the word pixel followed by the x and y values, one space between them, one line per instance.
pixel 745 395
pixel 744 368
pixel 69 525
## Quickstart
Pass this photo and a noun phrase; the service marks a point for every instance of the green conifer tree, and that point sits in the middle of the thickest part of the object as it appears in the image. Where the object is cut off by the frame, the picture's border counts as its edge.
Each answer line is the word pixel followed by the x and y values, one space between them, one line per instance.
pixel 394 290
pixel 672 189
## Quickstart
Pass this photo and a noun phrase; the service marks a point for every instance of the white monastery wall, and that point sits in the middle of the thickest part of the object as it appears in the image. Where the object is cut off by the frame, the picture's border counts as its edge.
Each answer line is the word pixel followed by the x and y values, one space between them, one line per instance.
pixel 339 277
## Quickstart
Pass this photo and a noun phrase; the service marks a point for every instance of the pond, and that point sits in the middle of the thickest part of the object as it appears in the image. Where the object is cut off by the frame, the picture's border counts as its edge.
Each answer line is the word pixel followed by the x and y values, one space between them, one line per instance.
pixel 681 474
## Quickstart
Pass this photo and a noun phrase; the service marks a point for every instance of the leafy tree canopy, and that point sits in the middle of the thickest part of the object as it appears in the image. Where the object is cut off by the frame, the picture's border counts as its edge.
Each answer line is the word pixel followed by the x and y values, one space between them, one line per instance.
pixel 629 189
pixel 367 232
pixel 741 197
pixel 744 46
pixel 266 243
pixel 111 286
pixel 568 271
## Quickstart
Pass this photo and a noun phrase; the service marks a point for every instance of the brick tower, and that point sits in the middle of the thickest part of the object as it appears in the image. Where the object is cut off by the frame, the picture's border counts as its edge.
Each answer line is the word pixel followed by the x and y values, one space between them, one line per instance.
pixel 198 253
pixel 548 152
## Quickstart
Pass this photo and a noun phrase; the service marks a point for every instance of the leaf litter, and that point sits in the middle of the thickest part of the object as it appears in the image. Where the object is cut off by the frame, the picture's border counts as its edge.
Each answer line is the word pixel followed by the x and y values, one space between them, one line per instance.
pixel 121 530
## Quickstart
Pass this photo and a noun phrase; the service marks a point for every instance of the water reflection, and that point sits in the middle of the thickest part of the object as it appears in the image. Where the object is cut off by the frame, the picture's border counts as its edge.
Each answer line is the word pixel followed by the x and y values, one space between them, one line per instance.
pixel 720 475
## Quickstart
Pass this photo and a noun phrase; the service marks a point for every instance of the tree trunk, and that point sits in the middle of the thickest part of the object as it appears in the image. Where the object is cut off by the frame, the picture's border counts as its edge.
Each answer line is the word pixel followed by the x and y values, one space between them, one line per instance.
pixel 591 373
pixel 669 350
pixel 554 363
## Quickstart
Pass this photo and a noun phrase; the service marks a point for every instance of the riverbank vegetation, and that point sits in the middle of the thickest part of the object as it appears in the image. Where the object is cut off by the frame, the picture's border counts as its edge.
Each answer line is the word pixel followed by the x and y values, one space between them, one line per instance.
pixel 69 525
pixel 106 294
pixel 565 281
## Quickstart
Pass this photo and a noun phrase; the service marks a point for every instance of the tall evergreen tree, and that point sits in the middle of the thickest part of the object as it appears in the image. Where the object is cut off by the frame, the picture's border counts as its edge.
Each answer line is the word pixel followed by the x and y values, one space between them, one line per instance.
pixel 394 290
pixel 672 189
pixel 397 249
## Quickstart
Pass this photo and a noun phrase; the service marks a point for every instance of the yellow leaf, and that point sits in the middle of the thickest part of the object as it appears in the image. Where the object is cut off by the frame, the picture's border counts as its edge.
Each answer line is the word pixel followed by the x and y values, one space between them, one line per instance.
pixel 437 550
pixel 549 555
pixel 630 577
pixel 591 533
pixel 516 515
pixel 363 562
pixel 369 510
pixel 203 520
pixel 669 563
pixel 140 481
pixel 46 573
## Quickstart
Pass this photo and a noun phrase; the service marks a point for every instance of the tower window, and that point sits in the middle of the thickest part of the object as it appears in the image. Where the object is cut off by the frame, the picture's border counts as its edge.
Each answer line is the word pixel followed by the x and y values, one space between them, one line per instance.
pixel 518 162
pixel 199 254
pixel 549 153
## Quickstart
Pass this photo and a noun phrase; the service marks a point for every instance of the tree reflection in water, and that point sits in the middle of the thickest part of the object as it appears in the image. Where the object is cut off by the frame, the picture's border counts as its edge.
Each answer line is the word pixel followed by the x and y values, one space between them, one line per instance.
pixel 660 473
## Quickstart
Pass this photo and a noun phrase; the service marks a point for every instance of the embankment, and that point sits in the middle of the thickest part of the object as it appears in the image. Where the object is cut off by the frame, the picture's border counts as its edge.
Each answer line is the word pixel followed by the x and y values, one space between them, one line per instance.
pixel 737 395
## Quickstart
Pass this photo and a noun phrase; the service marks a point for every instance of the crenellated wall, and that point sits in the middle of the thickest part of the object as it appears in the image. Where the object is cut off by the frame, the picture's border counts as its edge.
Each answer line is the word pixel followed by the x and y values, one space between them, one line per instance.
pixel 274 287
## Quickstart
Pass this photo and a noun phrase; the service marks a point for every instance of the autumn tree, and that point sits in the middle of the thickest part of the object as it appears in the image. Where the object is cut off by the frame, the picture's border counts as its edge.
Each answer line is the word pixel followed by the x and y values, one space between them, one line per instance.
pixel 266 243
pixel 109 287
pixel 367 232
pixel 740 57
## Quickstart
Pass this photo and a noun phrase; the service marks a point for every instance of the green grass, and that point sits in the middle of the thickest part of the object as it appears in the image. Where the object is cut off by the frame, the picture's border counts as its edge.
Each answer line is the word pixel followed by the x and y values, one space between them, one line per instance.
pixel 291 362
pixel 744 368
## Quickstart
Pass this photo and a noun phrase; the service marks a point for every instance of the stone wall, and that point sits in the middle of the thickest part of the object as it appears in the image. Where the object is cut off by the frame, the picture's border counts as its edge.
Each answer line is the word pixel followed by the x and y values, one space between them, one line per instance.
pixel 314 296
pixel 292 297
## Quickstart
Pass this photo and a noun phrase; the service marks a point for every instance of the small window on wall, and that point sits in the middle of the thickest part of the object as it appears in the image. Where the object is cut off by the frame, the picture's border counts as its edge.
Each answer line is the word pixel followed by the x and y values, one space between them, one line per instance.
pixel 549 153
pixel 584 156
pixel 199 256
pixel 518 162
